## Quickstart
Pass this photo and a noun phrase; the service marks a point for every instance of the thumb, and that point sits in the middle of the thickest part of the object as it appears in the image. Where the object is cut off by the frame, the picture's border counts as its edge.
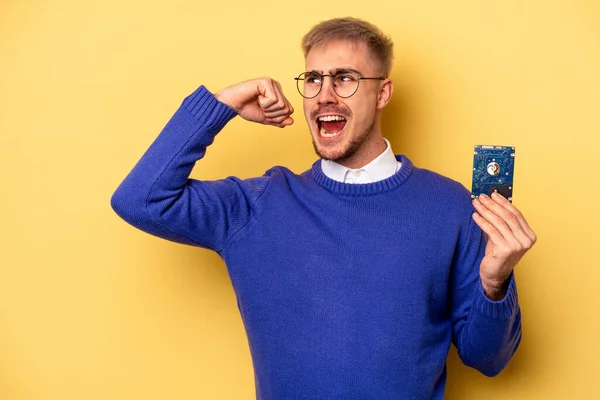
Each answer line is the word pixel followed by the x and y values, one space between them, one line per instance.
pixel 289 121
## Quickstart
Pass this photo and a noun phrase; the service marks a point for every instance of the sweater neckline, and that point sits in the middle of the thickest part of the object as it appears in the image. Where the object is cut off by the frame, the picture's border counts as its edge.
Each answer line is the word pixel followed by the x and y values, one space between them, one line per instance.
pixel 364 189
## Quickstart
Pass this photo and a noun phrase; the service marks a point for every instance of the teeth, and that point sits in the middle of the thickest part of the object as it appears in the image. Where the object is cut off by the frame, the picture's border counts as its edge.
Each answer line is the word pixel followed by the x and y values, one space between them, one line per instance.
pixel 332 118
pixel 328 135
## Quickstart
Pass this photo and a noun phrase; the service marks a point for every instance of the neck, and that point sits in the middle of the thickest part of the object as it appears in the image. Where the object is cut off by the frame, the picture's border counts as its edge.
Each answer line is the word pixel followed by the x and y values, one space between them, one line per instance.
pixel 366 155
pixel 371 148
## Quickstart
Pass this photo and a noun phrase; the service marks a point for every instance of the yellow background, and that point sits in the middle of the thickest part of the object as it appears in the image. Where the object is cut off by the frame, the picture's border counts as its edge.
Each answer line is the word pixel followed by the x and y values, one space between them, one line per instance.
pixel 91 308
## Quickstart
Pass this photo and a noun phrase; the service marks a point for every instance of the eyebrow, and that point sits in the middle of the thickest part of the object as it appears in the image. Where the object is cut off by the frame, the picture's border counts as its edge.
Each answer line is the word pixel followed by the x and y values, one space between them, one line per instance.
pixel 337 71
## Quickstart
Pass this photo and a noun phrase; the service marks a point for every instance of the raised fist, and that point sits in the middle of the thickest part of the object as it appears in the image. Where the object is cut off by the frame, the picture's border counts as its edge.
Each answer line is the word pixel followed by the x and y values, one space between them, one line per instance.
pixel 259 100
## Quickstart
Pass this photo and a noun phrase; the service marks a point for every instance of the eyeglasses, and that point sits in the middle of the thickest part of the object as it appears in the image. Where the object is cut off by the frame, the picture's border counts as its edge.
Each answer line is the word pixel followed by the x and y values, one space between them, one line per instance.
pixel 345 83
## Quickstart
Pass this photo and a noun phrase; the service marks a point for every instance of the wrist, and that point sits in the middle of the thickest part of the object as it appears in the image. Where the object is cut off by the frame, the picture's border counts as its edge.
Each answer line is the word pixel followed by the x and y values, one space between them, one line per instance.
pixel 494 290
pixel 223 98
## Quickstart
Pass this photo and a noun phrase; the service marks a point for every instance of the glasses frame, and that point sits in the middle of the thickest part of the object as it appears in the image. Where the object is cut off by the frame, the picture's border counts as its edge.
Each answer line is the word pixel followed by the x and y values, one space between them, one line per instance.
pixel 360 78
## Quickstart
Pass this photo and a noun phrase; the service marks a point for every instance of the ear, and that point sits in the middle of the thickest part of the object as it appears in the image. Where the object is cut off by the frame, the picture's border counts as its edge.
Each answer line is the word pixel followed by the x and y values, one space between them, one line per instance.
pixel 385 93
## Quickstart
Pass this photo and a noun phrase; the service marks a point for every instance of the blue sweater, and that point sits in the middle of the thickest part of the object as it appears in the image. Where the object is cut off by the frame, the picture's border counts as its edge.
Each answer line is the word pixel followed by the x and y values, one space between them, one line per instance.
pixel 345 291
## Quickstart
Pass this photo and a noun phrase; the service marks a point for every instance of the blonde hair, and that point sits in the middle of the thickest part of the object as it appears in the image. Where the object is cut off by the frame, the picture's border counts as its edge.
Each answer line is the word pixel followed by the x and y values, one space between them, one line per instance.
pixel 354 30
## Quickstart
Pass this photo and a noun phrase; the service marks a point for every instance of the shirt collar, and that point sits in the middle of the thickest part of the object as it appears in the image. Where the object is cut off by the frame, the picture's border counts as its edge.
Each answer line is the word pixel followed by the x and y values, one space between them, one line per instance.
pixel 382 167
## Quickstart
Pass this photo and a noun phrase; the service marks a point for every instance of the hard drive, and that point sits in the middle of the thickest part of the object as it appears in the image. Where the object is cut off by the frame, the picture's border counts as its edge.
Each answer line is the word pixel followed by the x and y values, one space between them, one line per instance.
pixel 493 170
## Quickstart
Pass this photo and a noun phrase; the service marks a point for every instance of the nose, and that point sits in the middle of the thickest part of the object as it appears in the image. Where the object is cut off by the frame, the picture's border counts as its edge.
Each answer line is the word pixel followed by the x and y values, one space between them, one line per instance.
pixel 327 95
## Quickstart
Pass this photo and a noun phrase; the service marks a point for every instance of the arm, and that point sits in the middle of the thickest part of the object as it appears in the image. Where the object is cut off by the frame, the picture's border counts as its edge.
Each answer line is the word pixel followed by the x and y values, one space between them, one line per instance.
pixel 158 197
pixel 487 319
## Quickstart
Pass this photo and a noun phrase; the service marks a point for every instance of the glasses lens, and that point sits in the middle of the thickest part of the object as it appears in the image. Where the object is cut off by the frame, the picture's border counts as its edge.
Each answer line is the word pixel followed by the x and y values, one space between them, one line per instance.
pixel 345 84
pixel 309 84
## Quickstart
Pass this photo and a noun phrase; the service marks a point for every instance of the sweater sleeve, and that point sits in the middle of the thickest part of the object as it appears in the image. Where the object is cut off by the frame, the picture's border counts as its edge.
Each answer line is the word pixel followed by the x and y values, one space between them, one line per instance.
pixel 486 333
pixel 158 197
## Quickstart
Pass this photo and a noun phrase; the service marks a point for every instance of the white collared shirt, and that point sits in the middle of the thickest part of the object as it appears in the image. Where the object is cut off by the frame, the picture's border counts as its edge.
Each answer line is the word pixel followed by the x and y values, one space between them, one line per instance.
pixel 382 167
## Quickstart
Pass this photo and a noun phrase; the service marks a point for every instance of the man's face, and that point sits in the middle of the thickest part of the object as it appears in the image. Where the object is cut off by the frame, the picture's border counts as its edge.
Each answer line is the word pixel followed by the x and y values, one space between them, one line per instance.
pixel 350 129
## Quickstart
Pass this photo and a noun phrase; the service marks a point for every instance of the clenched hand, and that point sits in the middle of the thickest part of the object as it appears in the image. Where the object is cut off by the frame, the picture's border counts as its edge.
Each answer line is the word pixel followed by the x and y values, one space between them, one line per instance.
pixel 259 100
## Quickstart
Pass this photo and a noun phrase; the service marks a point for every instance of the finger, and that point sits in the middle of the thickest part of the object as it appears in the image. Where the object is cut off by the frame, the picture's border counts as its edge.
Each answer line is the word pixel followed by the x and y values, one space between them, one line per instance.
pixel 522 221
pixel 287 102
pixel 278 103
pixel 508 217
pixel 490 230
pixel 281 121
pixel 268 95
pixel 277 113
pixel 287 122
pixel 501 227
pixel 276 120
pixel 282 101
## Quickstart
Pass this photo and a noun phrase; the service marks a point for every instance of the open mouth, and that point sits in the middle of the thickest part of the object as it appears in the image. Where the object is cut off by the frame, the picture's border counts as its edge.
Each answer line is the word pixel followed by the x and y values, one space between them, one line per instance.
pixel 330 126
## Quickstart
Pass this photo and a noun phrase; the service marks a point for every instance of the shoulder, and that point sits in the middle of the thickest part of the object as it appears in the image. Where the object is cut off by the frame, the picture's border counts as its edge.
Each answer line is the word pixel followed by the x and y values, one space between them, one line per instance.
pixel 439 181
pixel 276 176
pixel 279 172
pixel 441 189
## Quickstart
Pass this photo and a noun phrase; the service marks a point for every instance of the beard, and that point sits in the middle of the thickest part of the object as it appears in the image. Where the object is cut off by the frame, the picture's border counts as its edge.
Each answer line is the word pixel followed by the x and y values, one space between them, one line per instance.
pixel 348 150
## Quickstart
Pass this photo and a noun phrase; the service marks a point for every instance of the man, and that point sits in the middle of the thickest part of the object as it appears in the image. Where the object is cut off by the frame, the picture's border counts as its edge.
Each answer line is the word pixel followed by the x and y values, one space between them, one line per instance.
pixel 354 277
